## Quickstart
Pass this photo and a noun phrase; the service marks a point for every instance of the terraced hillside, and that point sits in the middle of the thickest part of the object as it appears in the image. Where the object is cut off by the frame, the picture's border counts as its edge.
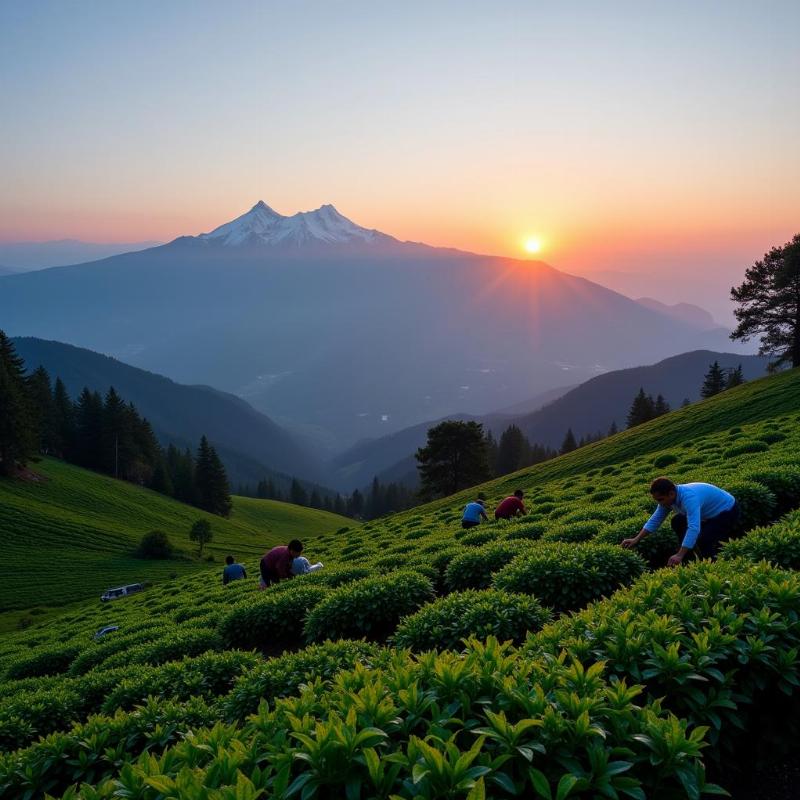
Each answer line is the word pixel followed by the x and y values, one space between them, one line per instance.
pixel 616 679
pixel 73 534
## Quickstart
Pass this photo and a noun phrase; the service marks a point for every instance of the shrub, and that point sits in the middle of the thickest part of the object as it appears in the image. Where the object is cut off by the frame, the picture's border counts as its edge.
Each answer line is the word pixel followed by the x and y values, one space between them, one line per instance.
pixel 574 532
pixel 448 620
pixel 773 437
pixel 784 483
pixel 566 577
pixel 779 544
pixel 416 534
pixel 530 531
pixel 601 496
pixel 477 538
pixel 664 460
pixel 370 608
pixel 744 448
pixel 45 661
pixel 716 642
pixel 473 569
pixel 282 676
pixel 756 504
pixel 272 621
pixel 155 544
pixel 655 548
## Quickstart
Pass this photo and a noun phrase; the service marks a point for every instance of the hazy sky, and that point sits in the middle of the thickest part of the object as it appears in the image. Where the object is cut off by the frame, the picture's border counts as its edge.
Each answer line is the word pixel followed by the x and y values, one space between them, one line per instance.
pixel 623 134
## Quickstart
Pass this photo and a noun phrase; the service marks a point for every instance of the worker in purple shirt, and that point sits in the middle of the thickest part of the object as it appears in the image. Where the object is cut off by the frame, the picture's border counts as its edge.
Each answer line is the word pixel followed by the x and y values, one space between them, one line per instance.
pixel 705 516
pixel 276 565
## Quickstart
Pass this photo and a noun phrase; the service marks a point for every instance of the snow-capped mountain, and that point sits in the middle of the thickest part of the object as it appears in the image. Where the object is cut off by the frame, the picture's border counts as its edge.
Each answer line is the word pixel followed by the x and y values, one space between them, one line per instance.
pixel 262 225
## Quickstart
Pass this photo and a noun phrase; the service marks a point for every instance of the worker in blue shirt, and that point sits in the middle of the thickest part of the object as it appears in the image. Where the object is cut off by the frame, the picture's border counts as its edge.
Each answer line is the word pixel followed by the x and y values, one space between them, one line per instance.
pixel 473 512
pixel 232 571
pixel 705 516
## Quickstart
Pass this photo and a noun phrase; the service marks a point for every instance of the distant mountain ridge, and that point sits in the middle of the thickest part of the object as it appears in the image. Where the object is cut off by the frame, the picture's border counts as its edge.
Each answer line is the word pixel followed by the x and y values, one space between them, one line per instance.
pixel 687 313
pixel 251 444
pixel 325 325
pixel 25 256
pixel 588 409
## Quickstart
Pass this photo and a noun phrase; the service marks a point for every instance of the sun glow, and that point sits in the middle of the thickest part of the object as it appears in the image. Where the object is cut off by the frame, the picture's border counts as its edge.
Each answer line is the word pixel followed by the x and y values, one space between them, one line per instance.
pixel 533 245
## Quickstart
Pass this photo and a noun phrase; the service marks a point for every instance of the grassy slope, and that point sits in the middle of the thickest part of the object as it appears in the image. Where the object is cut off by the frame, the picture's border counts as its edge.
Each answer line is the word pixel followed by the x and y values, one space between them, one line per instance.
pixel 753 402
pixel 72 535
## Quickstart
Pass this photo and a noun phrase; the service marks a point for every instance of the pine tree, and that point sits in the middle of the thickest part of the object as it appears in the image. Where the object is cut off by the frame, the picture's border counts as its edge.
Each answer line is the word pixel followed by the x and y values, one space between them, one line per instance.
pixel 297 494
pixel 339 505
pixel 513 451
pixel 686 402
pixel 660 407
pixel 18 433
pixel 211 481
pixel 642 409
pixel 355 505
pixel 40 393
pixel 769 304
pixel 569 444
pixel 64 421
pixel 454 458
pixel 89 430
pixel 613 429
pixel 735 377
pixel 714 381
pixel 161 481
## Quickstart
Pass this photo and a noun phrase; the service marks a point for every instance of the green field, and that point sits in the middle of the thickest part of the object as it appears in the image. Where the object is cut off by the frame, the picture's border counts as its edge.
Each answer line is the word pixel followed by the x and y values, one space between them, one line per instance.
pixel 73 534
pixel 617 678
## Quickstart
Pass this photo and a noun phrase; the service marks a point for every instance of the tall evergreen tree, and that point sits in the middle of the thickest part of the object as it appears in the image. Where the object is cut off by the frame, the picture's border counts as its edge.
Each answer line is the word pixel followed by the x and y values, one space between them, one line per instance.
pixel 64 421
pixel 660 407
pixel 89 430
pixel 40 392
pixel 454 458
pixel 161 481
pixel 569 444
pixel 297 494
pixel 512 451
pixel 18 434
pixel 642 409
pixel 355 504
pixel 211 481
pixel 613 429
pixel 713 381
pixel 735 377
pixel 769 304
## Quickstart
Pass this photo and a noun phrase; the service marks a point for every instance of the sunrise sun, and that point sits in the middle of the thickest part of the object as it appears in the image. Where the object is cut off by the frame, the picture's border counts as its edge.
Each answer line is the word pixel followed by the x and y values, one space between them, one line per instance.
pixel 533 245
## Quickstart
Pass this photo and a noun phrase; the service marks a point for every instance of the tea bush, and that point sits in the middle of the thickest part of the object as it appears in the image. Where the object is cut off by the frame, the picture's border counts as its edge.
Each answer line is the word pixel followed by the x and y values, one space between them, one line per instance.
pixel 369 608
pixel 448 620
pixel 757 504
pixel 474 569
pixel 573 532
pixel 273 621
pixel 778 544
pixel 784 483
pixel 566 577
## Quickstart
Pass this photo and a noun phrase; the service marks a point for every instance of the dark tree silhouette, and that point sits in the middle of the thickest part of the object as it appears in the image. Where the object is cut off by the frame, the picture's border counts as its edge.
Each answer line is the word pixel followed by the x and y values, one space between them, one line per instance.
pixel 454 458
pixel 769 304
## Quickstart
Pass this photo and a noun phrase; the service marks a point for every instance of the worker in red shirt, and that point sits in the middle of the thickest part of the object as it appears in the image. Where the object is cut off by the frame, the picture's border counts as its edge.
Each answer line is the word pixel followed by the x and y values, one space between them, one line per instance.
pixel 511 506
pixel 276 565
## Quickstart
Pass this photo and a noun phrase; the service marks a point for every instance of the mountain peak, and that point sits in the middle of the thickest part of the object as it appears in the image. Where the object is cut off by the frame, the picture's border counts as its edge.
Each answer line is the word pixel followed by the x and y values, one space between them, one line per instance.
pixel 262 225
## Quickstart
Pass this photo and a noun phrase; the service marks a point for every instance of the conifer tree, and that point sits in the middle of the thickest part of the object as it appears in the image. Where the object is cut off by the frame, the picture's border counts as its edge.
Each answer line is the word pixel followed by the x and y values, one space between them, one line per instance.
pixel 714 381
pixel 211 481
pixel 613 429
pixel 735 377
pixel 18 435
pixel 89 429
pixel 64 421
pixel 40 392
pixel 569 444
pixel 686 402
pixel 660 407
pixel 297 494
pixel 769 304
pixel 642 409
pixel 513 451
pixel 355 504
pixel 161 481
pixel 454 458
